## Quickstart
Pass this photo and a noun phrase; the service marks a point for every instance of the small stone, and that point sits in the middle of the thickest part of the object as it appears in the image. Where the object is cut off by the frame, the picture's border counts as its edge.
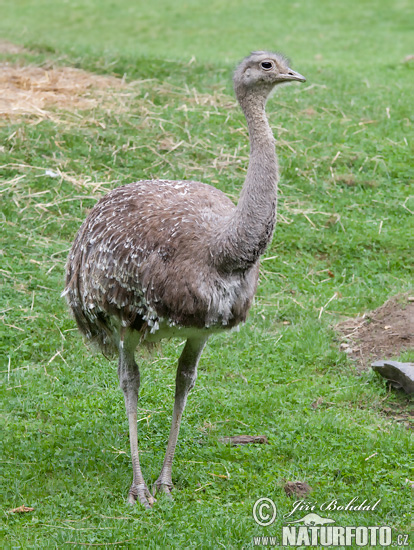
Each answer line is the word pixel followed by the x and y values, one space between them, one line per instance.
pixel 346 348
pixel 401 375
pixel 52 174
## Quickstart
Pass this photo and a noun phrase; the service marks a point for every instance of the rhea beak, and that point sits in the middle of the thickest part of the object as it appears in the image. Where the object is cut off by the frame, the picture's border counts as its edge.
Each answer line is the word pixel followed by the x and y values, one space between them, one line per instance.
pixel 292 75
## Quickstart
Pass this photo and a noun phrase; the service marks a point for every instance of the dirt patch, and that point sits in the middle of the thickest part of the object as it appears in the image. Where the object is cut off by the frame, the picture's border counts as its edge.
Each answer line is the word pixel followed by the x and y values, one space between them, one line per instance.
pixel 379 334
pixel 297 489
pixel 31 90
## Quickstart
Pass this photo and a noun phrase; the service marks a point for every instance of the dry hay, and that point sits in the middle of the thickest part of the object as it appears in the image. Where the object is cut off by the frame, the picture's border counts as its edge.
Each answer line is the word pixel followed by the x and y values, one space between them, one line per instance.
pixel 74 97
pixel 31 90
pixel 380 334
pixel 38 92
pixel 7 47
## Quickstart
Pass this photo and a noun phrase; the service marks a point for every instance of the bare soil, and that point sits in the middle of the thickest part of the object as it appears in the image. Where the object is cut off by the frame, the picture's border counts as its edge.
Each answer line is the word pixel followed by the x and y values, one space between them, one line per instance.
pixel 383 334
pixel 380 334
pixel 297 489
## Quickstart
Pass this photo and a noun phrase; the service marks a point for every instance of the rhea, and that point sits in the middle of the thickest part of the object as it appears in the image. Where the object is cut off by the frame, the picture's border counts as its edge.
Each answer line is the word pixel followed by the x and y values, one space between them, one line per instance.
pixel 160 259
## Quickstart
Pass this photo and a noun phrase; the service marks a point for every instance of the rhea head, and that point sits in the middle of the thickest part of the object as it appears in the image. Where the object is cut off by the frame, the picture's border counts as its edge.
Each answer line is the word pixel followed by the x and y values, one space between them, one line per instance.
pixel 263 70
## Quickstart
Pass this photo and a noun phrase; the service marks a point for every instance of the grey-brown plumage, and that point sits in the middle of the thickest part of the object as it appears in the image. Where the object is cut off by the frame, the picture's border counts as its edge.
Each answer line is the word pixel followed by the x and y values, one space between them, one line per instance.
pixel 157 259
pixel 144 259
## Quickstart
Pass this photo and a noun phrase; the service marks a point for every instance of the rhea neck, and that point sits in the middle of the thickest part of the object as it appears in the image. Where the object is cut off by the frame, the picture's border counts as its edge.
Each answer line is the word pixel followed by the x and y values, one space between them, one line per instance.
pixel 249 229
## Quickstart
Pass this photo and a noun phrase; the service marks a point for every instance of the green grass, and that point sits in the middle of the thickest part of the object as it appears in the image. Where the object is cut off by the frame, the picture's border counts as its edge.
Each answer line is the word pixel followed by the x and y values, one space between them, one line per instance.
pixel 355 35
pixel 65 441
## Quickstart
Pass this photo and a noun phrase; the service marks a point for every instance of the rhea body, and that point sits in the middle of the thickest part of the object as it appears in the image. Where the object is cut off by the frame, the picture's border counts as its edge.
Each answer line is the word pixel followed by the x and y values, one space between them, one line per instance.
pixel 159 259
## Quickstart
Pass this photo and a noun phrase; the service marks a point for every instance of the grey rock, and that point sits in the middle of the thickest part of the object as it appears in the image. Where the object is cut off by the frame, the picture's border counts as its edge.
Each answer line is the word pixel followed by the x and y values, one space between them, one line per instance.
pixel 401 375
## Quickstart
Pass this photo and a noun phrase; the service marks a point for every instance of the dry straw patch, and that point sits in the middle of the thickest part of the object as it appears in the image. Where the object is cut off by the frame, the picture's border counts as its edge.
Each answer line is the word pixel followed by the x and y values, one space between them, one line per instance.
pixel 39 92
pixel 36 91
pixel 74 97
pixel 9 48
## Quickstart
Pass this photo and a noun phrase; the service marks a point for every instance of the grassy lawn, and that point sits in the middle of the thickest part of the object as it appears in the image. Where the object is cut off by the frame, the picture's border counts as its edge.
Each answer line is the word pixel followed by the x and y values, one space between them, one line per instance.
pixel 344 244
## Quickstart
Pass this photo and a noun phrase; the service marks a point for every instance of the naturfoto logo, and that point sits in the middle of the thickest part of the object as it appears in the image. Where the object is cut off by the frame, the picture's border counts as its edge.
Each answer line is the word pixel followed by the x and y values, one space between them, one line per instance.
pixel 314 529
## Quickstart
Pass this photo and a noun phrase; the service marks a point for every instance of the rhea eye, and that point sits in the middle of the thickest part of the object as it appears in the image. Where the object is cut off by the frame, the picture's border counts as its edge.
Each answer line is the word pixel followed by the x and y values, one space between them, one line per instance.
pixel 266 65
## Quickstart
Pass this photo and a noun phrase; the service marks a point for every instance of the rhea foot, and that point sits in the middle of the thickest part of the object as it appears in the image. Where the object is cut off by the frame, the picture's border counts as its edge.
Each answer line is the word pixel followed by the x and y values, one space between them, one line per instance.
pixel 141 493
pixel 163 486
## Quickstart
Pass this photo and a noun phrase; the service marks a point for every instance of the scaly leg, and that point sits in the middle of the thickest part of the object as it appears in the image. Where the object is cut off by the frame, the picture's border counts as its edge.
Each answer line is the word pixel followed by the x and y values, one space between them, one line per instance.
pixel 185 380
pixel 129 379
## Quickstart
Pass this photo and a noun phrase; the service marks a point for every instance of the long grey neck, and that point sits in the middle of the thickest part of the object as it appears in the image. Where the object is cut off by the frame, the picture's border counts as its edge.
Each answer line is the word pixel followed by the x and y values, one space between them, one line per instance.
pixel 244 236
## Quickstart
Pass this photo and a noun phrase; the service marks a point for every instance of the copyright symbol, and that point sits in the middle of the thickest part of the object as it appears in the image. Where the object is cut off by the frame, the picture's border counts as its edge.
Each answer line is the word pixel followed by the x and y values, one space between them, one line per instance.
pixel 264 511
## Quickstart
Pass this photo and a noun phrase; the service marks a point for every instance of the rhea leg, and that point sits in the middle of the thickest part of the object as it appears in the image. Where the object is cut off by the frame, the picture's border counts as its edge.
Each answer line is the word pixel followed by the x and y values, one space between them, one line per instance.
pixel 129 380
pixel 185 380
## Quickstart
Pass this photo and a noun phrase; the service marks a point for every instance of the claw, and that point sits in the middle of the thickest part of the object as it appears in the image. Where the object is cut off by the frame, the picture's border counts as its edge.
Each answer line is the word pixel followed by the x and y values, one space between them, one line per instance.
pixel 163 487
pixel 141 493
